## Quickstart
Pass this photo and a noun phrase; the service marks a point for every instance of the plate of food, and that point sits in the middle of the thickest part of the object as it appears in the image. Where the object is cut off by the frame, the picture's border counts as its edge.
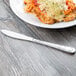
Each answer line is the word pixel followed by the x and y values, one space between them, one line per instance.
pixel 54 14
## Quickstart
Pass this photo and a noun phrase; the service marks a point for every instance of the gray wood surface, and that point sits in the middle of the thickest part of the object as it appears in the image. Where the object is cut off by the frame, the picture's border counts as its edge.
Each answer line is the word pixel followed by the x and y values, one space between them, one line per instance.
pixel 22 58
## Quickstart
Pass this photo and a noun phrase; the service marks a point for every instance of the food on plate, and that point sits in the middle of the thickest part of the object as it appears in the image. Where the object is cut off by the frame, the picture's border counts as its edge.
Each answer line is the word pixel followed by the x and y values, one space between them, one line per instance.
pixel 51 11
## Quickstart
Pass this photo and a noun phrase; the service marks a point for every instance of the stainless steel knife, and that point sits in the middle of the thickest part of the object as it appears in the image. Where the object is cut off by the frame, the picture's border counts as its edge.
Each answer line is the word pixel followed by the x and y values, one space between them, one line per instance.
pixel 27 38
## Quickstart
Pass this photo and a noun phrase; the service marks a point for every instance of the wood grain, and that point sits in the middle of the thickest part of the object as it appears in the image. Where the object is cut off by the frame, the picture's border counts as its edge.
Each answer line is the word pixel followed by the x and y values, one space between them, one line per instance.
pixel 22 58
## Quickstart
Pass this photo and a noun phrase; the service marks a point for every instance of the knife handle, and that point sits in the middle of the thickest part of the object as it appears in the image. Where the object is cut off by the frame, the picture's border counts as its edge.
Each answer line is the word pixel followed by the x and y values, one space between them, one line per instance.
pixel 56 46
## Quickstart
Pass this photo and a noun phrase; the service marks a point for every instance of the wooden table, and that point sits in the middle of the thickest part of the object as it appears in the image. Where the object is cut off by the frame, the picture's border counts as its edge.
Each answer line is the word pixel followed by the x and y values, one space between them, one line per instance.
pixel 23 58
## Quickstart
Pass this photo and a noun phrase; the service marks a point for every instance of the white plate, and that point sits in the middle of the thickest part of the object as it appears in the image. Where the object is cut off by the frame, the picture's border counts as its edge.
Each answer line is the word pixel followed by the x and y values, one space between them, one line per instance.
pixel 18 8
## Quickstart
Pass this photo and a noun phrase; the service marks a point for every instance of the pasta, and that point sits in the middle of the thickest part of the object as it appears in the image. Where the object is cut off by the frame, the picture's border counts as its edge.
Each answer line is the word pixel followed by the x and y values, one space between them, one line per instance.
pixel 51 11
